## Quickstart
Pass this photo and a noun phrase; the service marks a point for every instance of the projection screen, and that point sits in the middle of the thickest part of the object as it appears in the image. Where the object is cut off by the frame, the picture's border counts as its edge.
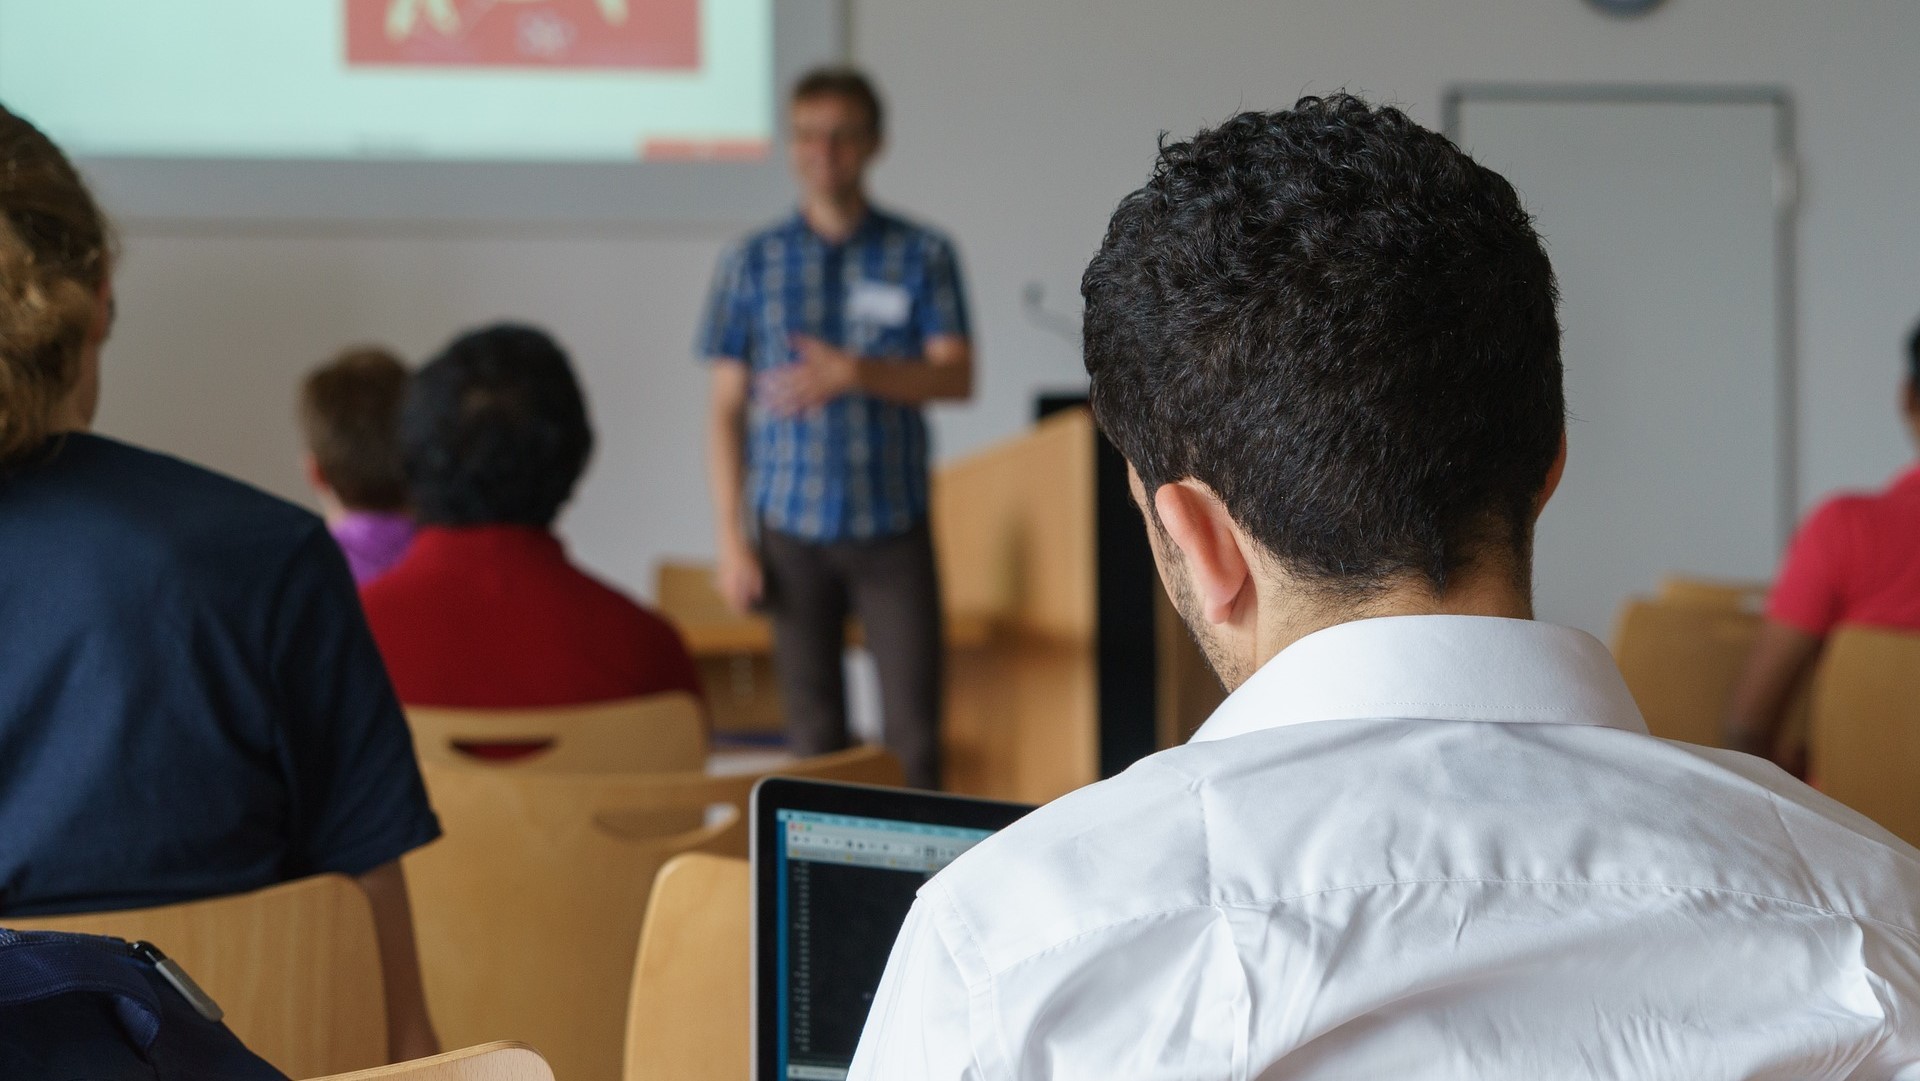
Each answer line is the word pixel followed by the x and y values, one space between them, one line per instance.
pixel 418 110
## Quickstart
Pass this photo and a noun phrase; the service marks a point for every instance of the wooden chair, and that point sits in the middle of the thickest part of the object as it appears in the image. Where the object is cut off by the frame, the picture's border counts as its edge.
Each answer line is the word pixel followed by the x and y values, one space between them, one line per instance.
pixel 1681 662
pixel 296 967
pixel 1714 593
pixel 497 1061
pixel 529 909
pixel 686 592
pixel 656 733
pixel 688 1016
pixel 1866 726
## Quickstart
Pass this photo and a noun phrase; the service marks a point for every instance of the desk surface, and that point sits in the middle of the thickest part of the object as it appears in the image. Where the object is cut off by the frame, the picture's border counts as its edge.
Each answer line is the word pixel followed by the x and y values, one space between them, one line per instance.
pixel 724 634
pixel 712 630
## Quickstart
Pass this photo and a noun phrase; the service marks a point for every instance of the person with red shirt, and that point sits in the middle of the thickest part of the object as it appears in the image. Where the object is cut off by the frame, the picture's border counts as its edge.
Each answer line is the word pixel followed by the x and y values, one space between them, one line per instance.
pixel 486 610
pixel 1855 560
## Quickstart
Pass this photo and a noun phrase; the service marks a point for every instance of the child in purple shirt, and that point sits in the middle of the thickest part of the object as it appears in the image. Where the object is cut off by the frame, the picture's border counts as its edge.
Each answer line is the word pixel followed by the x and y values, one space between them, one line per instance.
pixel 350 412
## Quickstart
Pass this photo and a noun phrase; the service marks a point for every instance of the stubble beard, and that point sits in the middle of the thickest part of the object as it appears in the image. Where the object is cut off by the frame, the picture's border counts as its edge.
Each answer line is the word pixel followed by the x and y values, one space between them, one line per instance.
pixel 1226 669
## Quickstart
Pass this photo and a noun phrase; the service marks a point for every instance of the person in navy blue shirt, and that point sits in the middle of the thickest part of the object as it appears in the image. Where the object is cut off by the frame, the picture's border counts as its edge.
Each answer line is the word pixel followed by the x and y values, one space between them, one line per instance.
pixel 190 701
pixel 826 333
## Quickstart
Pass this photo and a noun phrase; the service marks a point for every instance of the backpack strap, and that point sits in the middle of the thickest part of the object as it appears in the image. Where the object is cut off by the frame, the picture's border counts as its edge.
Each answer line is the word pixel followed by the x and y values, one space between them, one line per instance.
pixel 38 965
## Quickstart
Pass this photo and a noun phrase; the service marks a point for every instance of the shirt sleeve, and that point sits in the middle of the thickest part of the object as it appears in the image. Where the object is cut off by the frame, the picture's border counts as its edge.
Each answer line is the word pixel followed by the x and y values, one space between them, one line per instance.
pixel 919 1025
pixel 727 328
pixel 941 309
pixel 1809 594
pixel 358 800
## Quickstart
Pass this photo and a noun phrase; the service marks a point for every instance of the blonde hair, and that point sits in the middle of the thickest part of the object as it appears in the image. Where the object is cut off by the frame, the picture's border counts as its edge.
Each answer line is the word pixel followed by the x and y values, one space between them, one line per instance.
pixel 54 251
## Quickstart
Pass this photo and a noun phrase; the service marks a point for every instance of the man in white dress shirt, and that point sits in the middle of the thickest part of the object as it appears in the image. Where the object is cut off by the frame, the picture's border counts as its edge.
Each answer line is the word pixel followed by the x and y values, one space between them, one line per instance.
pixel 1425 837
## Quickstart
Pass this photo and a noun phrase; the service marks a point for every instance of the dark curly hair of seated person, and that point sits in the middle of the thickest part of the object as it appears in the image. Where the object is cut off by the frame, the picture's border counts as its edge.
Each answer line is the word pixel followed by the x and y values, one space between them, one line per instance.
pixel 495 430
pixel 1345 327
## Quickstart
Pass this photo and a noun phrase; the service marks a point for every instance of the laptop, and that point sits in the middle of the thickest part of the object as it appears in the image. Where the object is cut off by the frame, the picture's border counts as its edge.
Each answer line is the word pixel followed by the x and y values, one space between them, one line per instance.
pixel 835 869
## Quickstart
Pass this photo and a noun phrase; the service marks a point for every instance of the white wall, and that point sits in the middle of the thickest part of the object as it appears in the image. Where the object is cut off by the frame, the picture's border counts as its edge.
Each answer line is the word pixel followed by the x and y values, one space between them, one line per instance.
pixel 1017 124
pixel 216 331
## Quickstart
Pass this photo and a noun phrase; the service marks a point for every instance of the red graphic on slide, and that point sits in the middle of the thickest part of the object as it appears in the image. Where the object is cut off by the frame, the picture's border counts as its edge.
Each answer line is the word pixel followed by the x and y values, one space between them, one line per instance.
pixel 651 35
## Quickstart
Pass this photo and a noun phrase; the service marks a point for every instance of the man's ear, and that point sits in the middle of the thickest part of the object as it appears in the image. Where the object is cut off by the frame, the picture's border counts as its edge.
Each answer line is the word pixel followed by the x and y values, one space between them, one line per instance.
pixel 1554 473
pixel 310 466
pixel 1198 524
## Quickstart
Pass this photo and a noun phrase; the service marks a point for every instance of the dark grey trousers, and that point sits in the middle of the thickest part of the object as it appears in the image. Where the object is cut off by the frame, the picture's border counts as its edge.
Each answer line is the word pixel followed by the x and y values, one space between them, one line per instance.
pixel 891 584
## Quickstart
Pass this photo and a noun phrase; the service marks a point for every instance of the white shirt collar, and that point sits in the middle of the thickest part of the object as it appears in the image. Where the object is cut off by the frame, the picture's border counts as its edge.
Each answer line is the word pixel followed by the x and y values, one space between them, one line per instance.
pixel 1459 668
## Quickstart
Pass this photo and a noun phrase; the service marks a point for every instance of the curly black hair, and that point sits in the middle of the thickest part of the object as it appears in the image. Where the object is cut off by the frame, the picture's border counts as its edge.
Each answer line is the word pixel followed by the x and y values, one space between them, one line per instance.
pixel 495 430
pixel 1345 327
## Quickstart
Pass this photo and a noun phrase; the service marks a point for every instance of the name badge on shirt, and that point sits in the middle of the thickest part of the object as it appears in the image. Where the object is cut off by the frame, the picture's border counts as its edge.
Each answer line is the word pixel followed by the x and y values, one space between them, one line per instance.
pixel 881 304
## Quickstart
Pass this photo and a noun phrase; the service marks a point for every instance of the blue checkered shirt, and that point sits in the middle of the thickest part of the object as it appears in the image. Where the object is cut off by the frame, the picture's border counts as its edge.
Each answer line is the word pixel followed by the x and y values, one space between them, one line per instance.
pixel 855 468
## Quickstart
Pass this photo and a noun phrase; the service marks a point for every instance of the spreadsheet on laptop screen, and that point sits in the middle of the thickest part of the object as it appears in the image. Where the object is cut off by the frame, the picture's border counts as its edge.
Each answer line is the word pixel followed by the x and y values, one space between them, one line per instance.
pixel 845 885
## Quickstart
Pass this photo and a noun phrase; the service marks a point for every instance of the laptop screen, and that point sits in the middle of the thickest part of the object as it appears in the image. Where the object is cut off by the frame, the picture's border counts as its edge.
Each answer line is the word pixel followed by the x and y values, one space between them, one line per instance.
pixel 844 884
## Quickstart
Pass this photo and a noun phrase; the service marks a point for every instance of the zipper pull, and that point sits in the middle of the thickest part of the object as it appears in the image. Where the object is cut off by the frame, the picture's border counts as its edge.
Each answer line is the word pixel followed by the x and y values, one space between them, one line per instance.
pixel 170 970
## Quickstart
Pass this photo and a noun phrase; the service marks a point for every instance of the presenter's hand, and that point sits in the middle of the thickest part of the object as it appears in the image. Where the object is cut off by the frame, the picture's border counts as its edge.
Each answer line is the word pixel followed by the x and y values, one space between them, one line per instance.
pixel 822 374
pixel 739 578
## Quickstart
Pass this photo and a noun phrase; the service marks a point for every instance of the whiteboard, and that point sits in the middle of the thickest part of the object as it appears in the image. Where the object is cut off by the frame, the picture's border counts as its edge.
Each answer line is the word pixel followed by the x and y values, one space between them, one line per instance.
pixel 1664 216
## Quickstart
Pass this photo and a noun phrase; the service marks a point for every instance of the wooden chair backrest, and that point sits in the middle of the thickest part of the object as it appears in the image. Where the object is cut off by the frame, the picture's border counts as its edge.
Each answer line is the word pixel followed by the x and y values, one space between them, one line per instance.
pixel 296 967
pixel 529 909
pixel 656 733
pixel 686 592
pixel 1681 662
pixel 688 1016
pixel 497 1061
pixel 1866 726
pixel 1714 593
pixel 1682 659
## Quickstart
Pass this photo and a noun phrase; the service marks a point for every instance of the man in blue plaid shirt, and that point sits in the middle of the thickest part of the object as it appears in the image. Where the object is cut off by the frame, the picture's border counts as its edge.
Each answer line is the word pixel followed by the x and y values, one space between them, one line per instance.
pixel 826 333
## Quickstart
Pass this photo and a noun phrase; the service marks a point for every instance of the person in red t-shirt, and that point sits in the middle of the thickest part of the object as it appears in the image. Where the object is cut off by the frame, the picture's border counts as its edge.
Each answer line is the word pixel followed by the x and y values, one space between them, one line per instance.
pixel 1855 560
pixel 486 610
